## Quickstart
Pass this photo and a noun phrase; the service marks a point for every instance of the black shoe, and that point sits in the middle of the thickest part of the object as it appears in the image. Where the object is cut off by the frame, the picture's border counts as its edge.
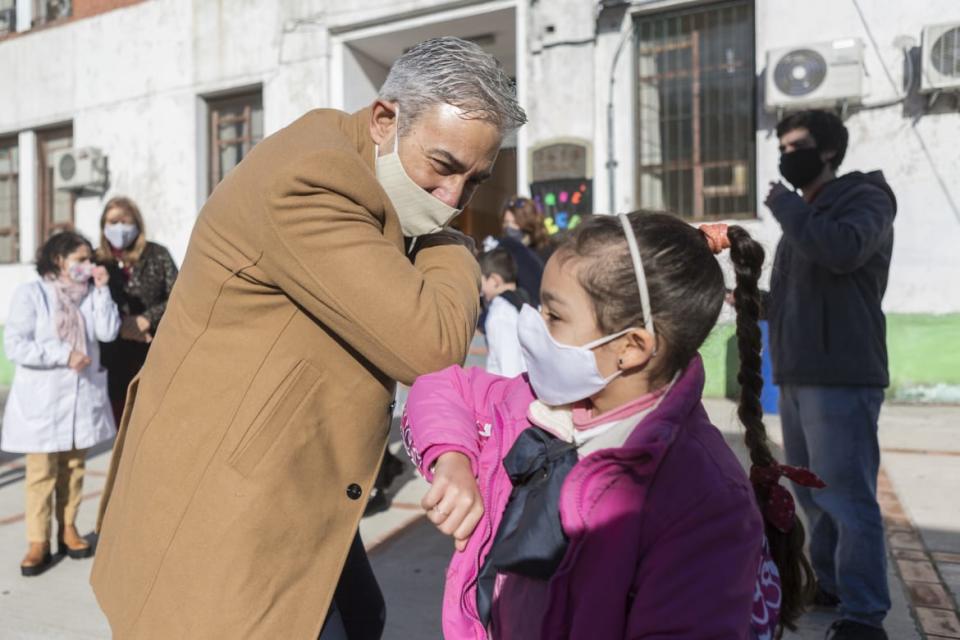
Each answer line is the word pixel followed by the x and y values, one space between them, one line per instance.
pixel 391 467
pixel 825 599
pixel 378 502
pixel 76 554
pixel 850 630
pixel 37 560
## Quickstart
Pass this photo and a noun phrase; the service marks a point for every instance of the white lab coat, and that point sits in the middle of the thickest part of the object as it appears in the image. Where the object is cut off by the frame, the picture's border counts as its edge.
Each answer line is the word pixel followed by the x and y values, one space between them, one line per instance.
pixel 504 357
pixel 51 407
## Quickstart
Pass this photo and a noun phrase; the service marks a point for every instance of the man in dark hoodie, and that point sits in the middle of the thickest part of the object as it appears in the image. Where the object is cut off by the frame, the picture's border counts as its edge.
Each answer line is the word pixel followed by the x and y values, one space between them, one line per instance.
pixel 828 345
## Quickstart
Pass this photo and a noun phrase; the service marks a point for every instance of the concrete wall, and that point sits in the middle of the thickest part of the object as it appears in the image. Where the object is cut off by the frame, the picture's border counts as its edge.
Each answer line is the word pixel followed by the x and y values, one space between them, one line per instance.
pixel 915 147
pixel 912 147
pixel 132 83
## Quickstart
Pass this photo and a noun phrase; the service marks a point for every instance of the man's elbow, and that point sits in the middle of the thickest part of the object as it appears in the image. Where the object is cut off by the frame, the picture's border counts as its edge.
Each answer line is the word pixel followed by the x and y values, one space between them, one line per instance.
pixel 436 359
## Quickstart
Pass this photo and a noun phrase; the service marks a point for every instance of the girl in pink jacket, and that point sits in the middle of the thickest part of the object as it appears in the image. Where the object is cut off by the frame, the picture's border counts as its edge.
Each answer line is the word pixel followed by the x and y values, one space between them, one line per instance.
pixel 591 497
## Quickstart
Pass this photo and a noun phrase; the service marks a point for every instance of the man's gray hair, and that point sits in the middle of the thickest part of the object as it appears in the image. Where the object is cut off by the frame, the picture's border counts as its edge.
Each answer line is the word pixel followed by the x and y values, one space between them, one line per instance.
pixel 452 71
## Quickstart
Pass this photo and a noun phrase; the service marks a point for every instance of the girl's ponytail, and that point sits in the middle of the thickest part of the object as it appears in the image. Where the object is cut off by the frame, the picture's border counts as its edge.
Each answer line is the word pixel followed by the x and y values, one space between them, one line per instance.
pixel 784 531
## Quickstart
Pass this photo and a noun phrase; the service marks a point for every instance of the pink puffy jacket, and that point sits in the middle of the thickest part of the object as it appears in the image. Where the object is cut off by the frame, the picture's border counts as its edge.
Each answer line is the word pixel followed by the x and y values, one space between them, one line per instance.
pixel 666 540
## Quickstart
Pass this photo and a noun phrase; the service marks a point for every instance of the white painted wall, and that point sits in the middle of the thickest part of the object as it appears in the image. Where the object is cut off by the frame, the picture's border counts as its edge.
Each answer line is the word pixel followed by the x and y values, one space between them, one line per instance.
pixel 925 269
pixel 132 83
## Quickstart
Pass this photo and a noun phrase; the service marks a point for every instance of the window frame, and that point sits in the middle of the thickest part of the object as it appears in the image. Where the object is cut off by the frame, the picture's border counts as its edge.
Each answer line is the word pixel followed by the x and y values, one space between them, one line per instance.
pixel 38 13
pixel 7 143
pixel 742 169
pixel 249 99
pixel 45 184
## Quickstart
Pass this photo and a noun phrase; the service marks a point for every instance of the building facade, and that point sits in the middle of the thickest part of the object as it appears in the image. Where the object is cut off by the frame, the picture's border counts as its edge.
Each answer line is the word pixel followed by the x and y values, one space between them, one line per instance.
pixel 663 104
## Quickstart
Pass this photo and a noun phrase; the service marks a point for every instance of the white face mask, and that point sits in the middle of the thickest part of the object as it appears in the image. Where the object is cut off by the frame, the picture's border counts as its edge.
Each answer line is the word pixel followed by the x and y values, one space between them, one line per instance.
pixel 420 213
pixel 120 234
pixel 562 374
pixel 559 374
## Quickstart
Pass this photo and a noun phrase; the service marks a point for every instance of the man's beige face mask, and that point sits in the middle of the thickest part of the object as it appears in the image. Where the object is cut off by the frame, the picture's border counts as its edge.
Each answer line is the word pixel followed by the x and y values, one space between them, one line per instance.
pixel 419 212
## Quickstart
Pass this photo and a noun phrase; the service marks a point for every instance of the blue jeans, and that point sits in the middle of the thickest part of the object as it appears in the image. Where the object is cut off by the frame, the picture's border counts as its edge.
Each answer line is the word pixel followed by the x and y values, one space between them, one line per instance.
pixel 833 431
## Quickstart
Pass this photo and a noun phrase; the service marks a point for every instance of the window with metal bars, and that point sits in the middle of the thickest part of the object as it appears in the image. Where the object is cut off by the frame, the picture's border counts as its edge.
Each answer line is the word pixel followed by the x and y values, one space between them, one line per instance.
pixel 236 124
pixel 56 205
pixel 696 111
pixel 46 11
pixel 9 200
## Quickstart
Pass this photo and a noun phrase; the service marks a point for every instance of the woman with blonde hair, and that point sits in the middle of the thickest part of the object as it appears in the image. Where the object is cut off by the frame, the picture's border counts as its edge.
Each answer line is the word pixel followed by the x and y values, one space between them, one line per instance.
pixel 142 274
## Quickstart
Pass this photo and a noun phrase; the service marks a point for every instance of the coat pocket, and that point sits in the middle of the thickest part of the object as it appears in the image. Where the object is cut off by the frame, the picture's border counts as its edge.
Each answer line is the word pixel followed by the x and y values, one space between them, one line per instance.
pixel 274 417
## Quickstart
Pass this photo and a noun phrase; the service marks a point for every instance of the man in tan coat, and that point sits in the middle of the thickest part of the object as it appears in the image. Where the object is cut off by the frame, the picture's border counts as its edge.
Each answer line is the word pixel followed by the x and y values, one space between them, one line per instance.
pixel 252 436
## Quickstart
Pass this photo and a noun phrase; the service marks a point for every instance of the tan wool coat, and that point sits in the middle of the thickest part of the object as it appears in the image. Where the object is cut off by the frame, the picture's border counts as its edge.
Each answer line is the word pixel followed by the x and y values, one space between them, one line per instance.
pixel 252 436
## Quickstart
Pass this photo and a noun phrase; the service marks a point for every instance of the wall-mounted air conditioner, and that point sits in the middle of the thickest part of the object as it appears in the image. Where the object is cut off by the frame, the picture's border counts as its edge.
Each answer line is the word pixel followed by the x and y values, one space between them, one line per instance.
pixel 823 74
pixel 940 67
pixel 81 169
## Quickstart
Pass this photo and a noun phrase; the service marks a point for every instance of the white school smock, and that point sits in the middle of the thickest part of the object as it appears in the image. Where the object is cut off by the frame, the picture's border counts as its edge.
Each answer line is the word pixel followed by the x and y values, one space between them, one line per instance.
pixel 51 407
pixel 504 357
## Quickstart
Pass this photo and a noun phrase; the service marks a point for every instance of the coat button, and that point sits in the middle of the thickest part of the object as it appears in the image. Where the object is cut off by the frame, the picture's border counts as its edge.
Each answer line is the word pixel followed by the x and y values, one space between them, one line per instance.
pixel 392 406
pixel 354 492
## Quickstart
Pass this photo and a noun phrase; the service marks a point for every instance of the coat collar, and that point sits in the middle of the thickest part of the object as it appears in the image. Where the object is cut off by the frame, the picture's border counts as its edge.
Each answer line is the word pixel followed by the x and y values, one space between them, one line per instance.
pixel 675 407
pixel 357 129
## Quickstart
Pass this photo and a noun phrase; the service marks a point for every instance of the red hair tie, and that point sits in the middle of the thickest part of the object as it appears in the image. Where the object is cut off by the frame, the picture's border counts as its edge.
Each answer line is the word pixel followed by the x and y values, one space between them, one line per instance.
pixel 716 235
pixel 779 509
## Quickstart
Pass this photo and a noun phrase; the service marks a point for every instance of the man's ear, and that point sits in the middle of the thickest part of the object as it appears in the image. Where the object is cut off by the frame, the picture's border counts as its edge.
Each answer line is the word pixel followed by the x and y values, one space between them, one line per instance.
pixel 636 351
pixel 497 280
pixel 828 155
pixel 383 121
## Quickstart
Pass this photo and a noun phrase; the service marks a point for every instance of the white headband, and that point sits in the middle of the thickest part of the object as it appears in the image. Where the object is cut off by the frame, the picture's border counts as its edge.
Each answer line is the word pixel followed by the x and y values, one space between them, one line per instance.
pixel 641 276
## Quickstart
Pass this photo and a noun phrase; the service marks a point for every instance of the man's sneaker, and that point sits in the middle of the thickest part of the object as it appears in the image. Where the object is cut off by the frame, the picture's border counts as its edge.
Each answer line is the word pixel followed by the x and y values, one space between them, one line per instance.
pixel 824 599
pixel 850 630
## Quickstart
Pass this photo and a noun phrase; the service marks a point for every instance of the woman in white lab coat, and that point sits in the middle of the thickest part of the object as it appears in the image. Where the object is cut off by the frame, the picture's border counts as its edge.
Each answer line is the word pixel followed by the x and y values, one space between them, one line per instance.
pixel 58 406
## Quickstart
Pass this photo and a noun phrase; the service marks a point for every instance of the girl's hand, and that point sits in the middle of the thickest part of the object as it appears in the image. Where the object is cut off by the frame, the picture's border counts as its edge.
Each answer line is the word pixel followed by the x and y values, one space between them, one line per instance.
pixel 100 276
pixel 453 502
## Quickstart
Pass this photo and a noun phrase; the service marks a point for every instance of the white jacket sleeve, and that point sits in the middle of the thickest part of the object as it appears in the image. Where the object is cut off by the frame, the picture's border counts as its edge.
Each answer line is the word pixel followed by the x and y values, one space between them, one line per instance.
pixel 503 346
pixel 106 318
pixel 19 335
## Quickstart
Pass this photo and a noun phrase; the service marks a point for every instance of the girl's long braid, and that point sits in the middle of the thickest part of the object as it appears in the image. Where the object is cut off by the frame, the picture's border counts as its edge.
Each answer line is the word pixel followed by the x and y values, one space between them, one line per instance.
pixel 796 575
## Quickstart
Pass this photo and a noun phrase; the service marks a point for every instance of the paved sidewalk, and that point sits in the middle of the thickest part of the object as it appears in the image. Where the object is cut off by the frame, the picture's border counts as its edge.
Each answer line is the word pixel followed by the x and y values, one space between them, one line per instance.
pixel 921 471
pixel 921 463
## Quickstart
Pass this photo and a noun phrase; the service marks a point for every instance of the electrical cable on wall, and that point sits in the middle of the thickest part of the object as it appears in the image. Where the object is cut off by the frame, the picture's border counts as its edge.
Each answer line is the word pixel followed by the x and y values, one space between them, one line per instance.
pixel 913 127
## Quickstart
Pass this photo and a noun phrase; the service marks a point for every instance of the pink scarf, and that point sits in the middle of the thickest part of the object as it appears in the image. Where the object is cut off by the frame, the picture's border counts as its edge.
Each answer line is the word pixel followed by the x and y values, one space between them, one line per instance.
pixel 67 320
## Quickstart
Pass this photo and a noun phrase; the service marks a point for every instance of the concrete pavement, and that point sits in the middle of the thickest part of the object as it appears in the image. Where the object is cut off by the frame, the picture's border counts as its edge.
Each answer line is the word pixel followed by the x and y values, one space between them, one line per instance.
pixel 921 463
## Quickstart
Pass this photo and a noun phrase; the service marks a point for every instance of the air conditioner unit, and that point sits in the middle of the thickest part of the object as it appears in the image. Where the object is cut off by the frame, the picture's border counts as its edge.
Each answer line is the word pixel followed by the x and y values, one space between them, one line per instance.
pixel 81 169
pixel 940 67
pixel 823 74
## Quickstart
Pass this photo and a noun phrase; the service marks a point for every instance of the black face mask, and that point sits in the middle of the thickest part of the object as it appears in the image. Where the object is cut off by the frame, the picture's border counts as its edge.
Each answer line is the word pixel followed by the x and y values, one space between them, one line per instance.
pixel 511 232
pixel 801 167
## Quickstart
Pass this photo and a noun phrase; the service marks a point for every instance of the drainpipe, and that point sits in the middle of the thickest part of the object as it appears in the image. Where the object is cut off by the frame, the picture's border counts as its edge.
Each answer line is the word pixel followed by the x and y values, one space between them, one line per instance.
pixel 611 152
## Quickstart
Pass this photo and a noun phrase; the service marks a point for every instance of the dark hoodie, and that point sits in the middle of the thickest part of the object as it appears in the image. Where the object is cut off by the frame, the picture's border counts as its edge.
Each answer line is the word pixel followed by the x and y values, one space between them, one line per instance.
pixel 829 277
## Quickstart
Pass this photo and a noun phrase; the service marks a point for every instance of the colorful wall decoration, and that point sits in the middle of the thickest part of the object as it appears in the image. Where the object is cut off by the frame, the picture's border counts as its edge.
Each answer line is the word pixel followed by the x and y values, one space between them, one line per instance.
pixel 564 202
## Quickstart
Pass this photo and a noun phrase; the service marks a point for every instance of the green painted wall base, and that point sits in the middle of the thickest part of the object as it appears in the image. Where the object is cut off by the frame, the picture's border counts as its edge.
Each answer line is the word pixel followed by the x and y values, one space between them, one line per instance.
pixel 6 367
pixel 924 359
pixel 924 353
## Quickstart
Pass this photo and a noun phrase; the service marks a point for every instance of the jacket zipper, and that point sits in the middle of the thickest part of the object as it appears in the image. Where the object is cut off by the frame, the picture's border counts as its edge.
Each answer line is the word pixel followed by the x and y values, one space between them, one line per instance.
pixel 489 533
